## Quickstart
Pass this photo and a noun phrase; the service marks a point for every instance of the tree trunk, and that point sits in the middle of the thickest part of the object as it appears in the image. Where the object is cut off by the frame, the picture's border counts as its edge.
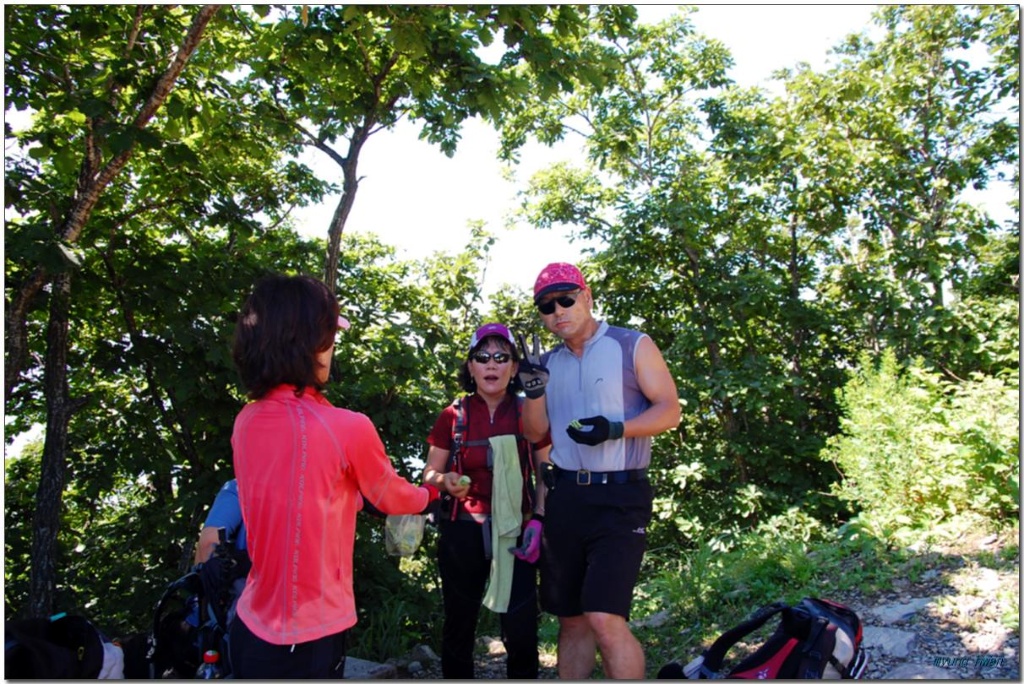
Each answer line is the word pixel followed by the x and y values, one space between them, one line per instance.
pixel 350 184
pixel 348 198
pixel 59 409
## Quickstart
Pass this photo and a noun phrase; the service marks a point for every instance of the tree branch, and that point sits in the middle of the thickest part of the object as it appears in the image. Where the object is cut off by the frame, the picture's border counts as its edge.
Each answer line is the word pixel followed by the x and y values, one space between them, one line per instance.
pixel 16 333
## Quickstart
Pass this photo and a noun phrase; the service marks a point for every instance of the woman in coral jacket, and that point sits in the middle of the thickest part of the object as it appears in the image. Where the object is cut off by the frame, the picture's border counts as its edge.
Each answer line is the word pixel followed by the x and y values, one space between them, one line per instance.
pixel 304 468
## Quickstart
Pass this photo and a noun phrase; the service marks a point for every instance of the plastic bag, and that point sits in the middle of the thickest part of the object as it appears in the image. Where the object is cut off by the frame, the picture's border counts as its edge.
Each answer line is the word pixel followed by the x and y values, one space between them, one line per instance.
pixel 403 534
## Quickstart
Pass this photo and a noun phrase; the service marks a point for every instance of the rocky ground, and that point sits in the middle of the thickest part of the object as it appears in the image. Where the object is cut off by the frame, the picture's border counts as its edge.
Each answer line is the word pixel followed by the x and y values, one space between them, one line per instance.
pixel 952 617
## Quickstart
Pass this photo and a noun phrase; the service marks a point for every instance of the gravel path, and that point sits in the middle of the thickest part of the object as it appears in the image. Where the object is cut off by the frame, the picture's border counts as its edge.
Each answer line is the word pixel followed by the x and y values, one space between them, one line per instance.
pixel 965 618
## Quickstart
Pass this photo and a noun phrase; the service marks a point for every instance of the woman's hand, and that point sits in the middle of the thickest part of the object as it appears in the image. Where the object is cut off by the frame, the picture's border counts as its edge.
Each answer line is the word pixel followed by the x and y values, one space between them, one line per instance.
pixel 457 485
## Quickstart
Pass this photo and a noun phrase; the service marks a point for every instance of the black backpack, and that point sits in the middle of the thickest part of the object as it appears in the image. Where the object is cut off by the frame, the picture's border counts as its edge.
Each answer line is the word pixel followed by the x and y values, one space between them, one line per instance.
pixel 58 647
pixel 194 614
pixel 173 648
pixel 218 576
pixel 815 639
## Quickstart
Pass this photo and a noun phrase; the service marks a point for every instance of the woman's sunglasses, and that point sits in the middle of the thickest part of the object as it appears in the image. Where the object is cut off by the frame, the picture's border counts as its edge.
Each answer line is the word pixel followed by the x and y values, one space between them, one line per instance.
pixel 565 301
pixel 499 357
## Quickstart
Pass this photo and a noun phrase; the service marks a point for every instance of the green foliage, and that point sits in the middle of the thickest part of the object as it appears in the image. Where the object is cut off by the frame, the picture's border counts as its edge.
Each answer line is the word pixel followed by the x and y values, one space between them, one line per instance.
pixel 21 477
pixel 395 597
pixel 347 70
pixel 915 450
pixel 765 243
pixel 923 121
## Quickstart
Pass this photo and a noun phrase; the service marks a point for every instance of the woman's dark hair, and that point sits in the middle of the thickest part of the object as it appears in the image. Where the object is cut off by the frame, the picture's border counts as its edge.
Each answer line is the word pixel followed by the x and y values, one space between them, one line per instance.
pixel 283 325
pixel 466 381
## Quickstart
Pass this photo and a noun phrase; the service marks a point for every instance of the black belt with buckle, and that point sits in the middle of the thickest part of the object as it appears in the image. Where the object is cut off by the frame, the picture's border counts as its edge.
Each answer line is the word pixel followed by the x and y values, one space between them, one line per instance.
pixel 589 477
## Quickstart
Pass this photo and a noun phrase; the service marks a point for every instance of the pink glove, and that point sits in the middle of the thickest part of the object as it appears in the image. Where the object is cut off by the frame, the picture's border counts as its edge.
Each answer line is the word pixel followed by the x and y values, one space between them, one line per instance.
pixel 529 550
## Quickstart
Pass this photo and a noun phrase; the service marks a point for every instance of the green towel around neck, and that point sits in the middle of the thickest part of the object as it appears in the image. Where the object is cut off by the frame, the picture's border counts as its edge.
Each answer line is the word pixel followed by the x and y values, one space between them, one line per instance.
pixel 506 520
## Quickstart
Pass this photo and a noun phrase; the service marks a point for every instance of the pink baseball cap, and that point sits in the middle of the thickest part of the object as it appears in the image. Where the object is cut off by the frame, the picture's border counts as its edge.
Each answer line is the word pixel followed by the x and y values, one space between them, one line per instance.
pixel 490 330
pixel 558 277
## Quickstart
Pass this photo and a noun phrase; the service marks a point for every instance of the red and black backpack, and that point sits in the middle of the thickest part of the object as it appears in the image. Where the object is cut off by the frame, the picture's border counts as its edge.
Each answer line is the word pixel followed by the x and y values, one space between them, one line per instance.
pixel 815 639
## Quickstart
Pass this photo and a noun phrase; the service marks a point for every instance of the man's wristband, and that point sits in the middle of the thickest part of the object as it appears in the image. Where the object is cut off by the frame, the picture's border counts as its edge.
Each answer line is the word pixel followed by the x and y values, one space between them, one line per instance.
pixel 539 517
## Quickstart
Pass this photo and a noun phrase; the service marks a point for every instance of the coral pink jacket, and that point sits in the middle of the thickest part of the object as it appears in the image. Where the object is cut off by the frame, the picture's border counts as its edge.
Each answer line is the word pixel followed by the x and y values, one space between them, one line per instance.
pixel 303 468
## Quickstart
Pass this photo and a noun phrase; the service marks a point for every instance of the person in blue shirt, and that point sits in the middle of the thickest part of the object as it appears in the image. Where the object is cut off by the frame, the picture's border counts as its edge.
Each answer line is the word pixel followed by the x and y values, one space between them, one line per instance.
pixel 225 513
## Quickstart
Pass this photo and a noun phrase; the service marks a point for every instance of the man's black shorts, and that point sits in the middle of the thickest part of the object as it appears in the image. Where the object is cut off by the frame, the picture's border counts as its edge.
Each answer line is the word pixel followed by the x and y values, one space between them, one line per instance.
pixel 594 542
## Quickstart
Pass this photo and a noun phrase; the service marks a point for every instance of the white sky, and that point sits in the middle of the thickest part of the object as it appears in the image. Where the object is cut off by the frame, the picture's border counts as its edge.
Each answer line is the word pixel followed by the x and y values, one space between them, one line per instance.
pixel 415 198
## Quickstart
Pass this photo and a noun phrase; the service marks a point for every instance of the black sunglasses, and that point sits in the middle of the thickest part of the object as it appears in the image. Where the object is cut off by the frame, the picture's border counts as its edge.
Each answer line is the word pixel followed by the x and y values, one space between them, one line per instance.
pixel 499 357
pixel 565 301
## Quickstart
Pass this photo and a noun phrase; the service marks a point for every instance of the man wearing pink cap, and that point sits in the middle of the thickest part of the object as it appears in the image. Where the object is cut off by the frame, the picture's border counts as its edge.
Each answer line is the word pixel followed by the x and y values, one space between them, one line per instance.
pixel 602 393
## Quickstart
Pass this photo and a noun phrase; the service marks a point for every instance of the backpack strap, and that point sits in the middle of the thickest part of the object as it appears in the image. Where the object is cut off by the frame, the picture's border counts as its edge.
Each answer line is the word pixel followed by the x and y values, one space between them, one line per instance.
pixel 458 435
pixel 459 442
pixel 817 649
pixel 528 469
pixel 715 654
pixel 842 619
pixel 455 453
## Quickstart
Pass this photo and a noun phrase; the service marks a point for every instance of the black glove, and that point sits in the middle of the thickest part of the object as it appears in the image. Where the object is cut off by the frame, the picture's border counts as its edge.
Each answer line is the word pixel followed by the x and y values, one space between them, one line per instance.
pixel 532 375
pixel 601 429
pixel 215 575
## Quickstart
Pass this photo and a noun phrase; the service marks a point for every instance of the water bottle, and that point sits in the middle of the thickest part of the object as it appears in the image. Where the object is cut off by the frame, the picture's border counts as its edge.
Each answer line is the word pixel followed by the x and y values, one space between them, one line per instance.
pixel 210 669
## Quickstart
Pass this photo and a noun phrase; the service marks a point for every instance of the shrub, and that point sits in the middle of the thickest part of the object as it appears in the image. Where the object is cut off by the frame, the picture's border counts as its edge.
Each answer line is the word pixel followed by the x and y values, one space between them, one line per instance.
pixel 915 449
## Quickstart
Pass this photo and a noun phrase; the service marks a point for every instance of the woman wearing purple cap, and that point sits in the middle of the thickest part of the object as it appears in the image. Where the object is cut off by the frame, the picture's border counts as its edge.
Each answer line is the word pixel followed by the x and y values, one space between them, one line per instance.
pixel 483 466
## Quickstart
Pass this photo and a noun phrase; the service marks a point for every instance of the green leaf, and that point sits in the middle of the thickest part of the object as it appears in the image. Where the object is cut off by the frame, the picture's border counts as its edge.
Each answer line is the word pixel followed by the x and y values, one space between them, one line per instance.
pixel 122 139
pixel 148 139
pixel 177 154
pixel 95 108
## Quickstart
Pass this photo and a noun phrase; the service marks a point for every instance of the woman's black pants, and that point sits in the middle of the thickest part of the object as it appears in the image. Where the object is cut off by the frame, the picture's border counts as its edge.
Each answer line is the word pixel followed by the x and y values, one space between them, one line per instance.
pixel 464 571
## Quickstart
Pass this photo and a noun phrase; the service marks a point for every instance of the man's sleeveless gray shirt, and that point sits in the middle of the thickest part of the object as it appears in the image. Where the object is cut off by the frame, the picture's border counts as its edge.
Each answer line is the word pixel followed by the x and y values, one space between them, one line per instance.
pixel 601 383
